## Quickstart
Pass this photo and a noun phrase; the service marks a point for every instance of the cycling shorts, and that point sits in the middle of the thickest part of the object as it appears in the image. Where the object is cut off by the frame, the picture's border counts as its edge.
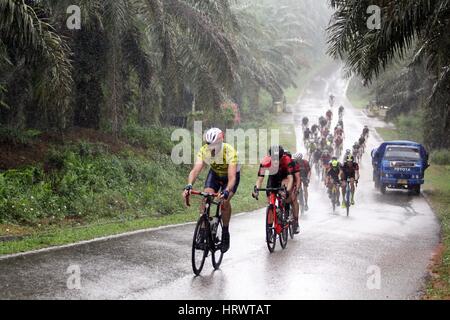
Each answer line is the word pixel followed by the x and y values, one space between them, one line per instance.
pixel 219 183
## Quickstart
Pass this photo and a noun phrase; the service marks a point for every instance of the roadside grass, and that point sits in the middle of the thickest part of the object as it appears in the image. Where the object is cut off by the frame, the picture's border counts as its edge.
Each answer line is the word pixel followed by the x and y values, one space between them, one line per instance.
pixel 388 134
pixel 359 95
pixel 437 192
pixel 437 188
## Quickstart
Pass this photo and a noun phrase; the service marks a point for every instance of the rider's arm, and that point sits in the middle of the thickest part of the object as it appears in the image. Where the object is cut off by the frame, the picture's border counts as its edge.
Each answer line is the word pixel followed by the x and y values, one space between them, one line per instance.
pixel 259 182
pixel 232 170
pixel 198 166
pixel 298 180
pixel 290 178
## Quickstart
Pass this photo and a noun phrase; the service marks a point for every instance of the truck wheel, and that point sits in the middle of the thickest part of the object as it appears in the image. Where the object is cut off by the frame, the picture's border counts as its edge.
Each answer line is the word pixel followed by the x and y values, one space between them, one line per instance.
pixel 376 179
pixel 416 189
pixel 383 188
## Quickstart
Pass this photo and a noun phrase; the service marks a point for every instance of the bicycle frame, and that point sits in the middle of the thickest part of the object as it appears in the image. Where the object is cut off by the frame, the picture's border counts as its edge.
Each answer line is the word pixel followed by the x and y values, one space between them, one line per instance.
pixel 209 197
pixel 276 202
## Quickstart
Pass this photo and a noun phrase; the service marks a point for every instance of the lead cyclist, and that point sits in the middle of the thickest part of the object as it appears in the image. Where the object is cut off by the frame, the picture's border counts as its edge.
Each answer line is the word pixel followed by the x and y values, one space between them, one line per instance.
pixel 223 176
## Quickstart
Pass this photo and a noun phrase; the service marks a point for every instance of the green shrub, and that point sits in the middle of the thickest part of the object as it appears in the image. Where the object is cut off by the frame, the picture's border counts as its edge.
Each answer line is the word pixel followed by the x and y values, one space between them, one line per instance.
pixel 441 157
pixel 157 138
pixel 16 136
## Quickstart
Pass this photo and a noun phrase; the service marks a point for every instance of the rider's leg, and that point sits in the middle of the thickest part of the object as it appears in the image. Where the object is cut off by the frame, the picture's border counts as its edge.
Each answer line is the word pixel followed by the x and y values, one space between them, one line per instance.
pixel 202 206
pixel 305 193
pixel 226 211
pixel 352 184
pixel 343 187
pixel 295 206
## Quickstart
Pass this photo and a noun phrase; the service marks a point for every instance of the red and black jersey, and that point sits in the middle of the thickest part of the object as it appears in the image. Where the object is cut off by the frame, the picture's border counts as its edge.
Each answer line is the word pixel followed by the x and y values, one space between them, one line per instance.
pixel 278 170
pixel 302 166
pixel 349 170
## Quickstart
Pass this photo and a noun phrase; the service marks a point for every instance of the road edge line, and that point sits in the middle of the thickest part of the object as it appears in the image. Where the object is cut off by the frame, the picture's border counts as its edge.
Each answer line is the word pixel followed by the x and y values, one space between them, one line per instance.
pixel 106 238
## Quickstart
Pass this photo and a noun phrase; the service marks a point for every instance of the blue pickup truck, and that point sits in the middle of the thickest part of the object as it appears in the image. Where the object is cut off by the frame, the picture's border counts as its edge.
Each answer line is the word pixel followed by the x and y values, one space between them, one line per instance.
pixel 399 165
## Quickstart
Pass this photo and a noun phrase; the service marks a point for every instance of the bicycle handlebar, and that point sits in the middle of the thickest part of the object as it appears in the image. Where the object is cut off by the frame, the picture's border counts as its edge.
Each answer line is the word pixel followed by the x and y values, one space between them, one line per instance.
pixel 272 189
pixel 269 190
pixel 204 195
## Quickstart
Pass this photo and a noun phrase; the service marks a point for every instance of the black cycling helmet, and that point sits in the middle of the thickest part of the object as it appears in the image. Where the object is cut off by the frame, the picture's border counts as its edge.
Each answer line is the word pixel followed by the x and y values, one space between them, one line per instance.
pixel 288 153
pixel 276 150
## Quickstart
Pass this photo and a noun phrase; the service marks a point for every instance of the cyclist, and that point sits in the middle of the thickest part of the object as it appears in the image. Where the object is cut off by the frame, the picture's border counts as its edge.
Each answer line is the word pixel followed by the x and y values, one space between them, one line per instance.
pixel 355 150
pixel 347 153
pixel 224 175
pixel 331 100
pixel 325 161
pixel 323 143
pixel 325 132
pixel 312 148
pixel 330 138
pixel 333 177
pixel 362 143
pixel 304 168
pixel 338 131
pixel 305 122
pixel 306 135
pixel 349 169
pixel 329 115
pixel 316 156
pixel 281 173
pixel 322 121
pixel 366 132
pixel 341 112
pixel 341 124
pixel 338 141
pixel 314 129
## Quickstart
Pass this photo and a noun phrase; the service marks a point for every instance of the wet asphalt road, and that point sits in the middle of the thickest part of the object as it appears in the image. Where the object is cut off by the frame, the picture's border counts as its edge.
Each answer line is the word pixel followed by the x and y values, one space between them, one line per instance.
pixel 332 258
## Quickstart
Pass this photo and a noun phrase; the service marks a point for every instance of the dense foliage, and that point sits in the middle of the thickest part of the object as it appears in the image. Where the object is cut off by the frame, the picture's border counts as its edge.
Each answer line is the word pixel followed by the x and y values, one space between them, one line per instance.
pixel 146 61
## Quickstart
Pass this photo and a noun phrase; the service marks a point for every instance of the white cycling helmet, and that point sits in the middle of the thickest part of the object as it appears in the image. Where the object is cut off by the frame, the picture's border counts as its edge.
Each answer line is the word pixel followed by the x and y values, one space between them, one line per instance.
pixel 298 156
pixel 213 136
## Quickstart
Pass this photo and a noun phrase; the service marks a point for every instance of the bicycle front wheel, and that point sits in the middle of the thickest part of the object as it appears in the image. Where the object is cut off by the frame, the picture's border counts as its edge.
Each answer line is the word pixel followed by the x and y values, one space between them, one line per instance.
pixel 347 200
pixel 284 235
pixel 199 246
pixel 271 234
pixel 217 254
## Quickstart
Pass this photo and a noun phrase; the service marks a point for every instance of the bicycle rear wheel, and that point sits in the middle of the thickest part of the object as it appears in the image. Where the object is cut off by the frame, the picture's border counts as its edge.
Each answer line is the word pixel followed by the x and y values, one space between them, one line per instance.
pixel 333 200
pixel 284 235
pixel 271 235
pixel 200 245
pixel 217 254
pixel 347 199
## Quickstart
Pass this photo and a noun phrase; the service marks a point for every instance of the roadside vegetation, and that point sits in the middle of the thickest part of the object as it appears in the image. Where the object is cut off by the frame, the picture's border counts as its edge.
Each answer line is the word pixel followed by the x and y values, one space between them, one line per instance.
pixel 437 192
pixel 359 95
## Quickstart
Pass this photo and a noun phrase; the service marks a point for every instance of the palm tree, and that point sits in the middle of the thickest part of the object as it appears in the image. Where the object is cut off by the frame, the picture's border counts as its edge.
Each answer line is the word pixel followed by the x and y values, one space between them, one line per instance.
pixel 30 43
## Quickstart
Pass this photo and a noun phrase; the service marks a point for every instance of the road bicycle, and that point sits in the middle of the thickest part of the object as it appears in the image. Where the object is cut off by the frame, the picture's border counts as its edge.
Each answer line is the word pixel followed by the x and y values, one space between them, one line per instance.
pixel 277 218
pixel 318 169
pixel 208 234
pixel 348 195
pixel 334 195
